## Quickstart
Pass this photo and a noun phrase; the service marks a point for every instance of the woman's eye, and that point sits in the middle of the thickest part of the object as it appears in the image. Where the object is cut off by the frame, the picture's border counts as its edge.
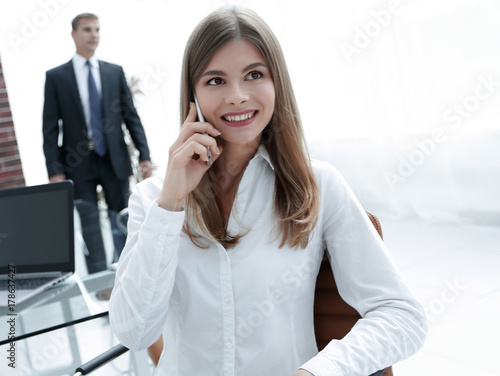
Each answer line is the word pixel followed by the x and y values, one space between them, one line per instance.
pixel 216 81
pixel 254 75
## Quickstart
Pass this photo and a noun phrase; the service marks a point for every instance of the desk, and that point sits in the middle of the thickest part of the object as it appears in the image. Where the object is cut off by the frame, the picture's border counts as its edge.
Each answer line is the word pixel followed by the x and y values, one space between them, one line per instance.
pixel 75 298
pixel 62 306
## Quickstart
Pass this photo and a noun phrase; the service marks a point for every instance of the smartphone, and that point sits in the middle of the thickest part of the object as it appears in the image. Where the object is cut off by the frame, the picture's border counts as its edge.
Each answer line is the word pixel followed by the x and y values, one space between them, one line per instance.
pixel 201 118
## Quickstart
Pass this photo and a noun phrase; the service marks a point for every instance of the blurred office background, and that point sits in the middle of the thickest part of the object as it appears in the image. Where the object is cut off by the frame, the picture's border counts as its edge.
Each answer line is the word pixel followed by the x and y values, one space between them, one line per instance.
pixel 402 96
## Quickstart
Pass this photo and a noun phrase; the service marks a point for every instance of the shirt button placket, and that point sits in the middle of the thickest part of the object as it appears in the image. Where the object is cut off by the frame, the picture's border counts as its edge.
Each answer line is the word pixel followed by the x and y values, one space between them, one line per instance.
pixel 227 306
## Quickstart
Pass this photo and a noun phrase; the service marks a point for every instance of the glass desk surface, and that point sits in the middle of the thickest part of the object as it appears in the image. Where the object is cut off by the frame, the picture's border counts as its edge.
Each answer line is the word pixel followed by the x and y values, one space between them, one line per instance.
pixel 71 301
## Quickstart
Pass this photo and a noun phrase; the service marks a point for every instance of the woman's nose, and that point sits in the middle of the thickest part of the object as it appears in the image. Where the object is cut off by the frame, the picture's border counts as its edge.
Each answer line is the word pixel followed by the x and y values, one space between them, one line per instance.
pixel 236 95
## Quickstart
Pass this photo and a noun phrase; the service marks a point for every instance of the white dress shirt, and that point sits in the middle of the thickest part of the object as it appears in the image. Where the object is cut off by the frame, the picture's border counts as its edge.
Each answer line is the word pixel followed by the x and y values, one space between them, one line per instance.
pixel 82 80
pixel 248 310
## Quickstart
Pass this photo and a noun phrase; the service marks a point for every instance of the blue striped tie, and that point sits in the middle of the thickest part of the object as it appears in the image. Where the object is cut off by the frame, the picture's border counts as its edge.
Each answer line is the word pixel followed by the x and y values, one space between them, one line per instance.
pixel 96 116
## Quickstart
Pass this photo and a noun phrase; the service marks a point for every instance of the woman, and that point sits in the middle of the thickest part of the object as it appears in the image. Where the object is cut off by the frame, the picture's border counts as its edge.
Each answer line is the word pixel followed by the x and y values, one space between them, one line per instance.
pixel 225 256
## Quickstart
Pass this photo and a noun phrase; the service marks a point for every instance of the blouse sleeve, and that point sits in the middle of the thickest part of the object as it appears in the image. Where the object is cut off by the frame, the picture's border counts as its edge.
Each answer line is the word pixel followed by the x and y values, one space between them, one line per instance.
pixel 146 270
pixel 393 324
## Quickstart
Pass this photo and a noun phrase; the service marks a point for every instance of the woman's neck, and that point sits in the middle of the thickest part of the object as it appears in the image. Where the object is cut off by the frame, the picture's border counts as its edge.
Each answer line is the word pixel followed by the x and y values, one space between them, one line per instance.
pixel 234 159
pixel 230 168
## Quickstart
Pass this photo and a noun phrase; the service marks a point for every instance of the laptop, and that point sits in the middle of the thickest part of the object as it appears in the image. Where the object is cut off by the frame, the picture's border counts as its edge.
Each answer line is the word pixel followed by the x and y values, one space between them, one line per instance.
pixel 36 239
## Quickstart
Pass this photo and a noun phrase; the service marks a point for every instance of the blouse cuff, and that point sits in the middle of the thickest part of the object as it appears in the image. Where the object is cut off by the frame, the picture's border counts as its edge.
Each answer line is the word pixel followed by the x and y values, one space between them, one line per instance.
pixel 321 366
pixel 167 222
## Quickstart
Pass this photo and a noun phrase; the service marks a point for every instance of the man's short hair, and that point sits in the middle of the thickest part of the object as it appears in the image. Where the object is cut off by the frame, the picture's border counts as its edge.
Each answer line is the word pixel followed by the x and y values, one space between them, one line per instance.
pixel 76 20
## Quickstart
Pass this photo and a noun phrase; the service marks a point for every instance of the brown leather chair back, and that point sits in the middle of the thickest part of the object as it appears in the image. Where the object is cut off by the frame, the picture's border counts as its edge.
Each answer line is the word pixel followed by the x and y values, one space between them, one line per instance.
pixel 334 318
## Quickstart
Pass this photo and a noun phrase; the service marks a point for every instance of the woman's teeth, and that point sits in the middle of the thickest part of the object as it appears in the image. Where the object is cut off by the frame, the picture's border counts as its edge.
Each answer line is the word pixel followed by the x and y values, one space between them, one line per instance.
pixel 239 117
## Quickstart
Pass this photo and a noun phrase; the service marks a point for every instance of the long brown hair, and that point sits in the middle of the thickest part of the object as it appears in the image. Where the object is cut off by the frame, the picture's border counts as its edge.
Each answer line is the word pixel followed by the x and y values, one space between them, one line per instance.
pixel 296 201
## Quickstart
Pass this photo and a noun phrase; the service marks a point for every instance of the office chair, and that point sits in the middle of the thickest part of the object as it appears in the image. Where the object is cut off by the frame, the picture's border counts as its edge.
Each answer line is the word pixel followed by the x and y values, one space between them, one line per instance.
pixel 333 318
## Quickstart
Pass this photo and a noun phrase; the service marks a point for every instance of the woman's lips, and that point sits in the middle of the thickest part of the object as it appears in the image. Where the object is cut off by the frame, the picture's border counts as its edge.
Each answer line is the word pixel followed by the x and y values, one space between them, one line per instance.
pixel 239 119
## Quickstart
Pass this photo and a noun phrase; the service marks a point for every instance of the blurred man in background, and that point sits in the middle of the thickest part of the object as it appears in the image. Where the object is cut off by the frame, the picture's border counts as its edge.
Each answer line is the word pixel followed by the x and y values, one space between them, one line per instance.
pixel 86 102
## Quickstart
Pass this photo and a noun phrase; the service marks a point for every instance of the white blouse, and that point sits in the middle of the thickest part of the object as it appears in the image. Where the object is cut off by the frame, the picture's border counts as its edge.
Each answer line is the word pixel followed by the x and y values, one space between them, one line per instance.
pixel 248 310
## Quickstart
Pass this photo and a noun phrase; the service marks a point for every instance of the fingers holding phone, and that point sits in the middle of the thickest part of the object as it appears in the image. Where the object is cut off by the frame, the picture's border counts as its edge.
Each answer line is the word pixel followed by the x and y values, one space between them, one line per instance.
pixel 193 127
pixel 189 154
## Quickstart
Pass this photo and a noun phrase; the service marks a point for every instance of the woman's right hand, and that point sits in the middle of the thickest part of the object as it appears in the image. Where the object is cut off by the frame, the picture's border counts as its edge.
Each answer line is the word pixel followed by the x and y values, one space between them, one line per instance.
pixel 183 171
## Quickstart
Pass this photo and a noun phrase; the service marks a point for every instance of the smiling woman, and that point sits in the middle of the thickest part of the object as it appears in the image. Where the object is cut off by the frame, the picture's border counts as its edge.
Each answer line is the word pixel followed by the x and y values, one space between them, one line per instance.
pixel 228 294
pixel 236 93
pixel 234 69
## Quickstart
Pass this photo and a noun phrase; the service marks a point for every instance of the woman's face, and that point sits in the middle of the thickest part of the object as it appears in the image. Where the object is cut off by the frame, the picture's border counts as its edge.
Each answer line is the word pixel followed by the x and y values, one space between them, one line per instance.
pixel 236 93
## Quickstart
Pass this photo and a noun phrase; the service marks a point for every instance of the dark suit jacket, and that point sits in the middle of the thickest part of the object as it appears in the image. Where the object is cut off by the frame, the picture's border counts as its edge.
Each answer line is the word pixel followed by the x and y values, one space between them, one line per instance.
pixel 63 112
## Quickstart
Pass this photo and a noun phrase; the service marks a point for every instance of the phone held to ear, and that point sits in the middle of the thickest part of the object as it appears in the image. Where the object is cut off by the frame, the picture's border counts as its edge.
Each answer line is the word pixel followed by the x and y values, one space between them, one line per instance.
pixel 202 119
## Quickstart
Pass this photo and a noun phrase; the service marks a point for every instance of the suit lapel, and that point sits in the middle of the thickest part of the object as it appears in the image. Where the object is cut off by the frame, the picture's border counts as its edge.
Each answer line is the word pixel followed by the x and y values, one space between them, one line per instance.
pixel 70 76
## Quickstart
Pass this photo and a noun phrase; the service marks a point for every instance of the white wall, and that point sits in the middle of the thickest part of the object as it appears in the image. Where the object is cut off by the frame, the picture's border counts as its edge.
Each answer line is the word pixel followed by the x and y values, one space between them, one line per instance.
pixel 378 84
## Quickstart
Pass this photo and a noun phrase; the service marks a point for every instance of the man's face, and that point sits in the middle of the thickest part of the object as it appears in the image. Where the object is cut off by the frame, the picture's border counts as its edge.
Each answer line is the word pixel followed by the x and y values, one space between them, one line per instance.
pixel 86 37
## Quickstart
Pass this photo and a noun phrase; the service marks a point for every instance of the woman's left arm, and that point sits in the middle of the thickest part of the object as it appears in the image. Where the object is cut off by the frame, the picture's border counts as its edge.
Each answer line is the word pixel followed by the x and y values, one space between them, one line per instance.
pixel 393 324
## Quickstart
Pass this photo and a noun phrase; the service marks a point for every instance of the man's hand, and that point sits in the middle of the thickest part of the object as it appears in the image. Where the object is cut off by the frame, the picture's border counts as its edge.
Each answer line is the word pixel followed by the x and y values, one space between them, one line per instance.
pixel 56 178
pixel 146 169
pixel 302 372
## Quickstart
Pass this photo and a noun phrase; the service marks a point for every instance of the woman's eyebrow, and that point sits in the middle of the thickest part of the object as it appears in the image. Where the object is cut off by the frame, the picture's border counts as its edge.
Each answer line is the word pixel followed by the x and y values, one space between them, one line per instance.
pixel 221 73
pixel 213 73
pixel 254 65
